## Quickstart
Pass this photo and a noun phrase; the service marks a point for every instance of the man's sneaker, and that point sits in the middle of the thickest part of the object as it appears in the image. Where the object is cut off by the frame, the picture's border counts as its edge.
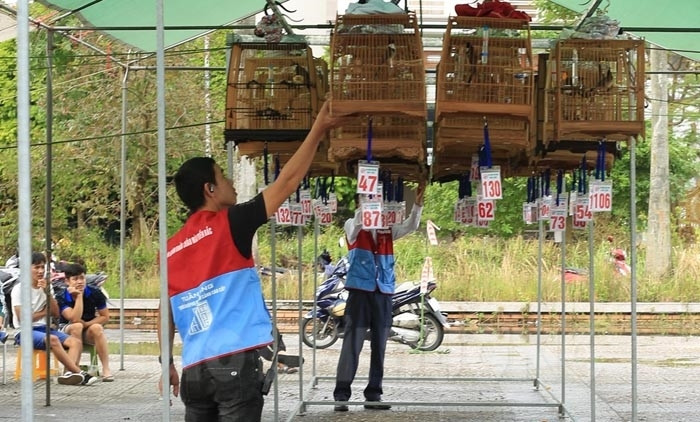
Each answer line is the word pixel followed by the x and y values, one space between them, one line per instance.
pixel 88 379
pixel 3 336
pixel 71 378
pixel 340 408
pixel 377 405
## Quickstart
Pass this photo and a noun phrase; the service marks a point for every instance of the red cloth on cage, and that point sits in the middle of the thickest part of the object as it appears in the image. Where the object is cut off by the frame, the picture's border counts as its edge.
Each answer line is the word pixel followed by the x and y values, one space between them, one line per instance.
pixel 491 9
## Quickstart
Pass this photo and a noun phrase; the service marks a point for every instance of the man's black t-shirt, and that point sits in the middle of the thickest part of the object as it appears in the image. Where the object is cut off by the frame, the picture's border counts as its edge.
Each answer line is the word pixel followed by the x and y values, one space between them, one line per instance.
pixel 244 220
pixel 93 300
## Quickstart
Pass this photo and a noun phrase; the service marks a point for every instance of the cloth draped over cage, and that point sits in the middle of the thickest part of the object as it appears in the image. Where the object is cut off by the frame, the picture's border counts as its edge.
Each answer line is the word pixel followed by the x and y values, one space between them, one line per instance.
pixel 372 7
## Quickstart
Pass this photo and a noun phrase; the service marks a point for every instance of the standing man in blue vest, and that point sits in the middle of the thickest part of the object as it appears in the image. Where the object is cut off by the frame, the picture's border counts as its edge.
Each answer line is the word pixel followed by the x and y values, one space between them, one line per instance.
pixel 370 283
pixel 216 298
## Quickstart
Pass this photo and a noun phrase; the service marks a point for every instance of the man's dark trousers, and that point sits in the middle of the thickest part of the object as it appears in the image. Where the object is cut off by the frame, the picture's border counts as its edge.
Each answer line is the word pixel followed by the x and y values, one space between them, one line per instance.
pixel 363 310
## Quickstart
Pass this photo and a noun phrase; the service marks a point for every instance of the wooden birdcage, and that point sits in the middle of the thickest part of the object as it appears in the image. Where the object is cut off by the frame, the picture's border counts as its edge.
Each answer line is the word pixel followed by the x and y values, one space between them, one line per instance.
pixel 284 151
pixel 567 155
pixel 485 72
pixel 393 138
pixel 377 65
pixel 594 90
pixel 321 78
pixel 485 68
pixel 271 92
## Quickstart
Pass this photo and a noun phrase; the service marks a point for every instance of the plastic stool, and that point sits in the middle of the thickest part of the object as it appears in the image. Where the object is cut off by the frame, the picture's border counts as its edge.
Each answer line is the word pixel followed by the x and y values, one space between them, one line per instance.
pixel 39 371
pixel 91 369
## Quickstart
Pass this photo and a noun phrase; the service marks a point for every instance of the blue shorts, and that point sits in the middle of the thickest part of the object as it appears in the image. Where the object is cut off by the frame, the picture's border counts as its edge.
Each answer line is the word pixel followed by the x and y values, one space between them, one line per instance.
pixel 39 337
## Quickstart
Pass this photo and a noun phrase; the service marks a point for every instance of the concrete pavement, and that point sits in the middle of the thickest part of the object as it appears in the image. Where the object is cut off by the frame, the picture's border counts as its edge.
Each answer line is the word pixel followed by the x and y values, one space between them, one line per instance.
pixel 473 377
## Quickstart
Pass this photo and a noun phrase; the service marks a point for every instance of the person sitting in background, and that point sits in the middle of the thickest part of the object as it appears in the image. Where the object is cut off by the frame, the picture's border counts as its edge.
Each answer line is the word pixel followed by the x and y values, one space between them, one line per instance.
pixel 83 314
pixel 59 342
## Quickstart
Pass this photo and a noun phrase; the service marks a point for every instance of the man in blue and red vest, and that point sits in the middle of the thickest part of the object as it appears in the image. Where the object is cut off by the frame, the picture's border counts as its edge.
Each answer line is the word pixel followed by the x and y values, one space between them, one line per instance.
pixel 370 283
pixel 216 298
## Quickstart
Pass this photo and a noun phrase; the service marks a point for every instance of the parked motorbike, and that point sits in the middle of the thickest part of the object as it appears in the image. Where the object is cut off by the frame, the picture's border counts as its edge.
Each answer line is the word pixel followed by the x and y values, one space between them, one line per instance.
pixel 9 277
pixel 417 322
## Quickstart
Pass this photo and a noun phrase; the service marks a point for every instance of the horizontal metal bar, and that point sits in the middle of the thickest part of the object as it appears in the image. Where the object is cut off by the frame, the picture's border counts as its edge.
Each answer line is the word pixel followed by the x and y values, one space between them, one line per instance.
pixel 331 26
pixel 436 403
pixel 433 379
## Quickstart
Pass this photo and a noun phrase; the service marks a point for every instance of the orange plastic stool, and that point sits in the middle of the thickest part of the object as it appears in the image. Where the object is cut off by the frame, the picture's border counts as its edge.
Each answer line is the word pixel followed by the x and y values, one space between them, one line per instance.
pixel 39 370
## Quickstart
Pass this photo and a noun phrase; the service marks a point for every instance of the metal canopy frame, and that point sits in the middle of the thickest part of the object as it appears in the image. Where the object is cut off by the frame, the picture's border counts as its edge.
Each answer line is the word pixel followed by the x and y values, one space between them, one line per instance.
pixel 25 230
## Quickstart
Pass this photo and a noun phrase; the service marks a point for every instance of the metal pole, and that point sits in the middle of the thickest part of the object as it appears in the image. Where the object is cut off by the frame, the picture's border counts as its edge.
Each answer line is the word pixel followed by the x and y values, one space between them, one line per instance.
pixel 49 194
pixel 563 318
pixel 633 270
pixel 300 237
pixel 162 214
pixel 207 98
pixel 591 304
pixel 24 203
pixel 540 238
pixel 273 267
pixel 122 217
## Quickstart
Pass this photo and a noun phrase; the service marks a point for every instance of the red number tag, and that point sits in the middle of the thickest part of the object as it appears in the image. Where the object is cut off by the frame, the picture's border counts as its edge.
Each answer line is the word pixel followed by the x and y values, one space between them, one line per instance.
pixel 486 209
pixel 372 215
pixel 368 178
pixel 305 201
pixel 297 215
pixel 600 196
pixel 283 215
pixel 491 183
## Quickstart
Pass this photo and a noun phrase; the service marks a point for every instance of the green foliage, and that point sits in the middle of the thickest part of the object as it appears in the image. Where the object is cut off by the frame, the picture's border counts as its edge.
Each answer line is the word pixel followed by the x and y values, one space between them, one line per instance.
pixel 552 13
pixel 682 170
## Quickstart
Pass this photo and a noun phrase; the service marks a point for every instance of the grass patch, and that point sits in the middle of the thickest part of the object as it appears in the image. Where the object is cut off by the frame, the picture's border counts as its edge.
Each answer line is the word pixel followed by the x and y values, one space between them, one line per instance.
pixel 467 268
pixel 142 348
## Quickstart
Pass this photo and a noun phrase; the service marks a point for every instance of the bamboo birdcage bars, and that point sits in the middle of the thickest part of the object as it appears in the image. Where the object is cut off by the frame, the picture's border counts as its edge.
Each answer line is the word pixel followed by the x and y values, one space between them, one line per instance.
pixel 271 93
pixel 594 90
pixel 377 72
pixel 395 138
pixel 485 73
pixel 377 65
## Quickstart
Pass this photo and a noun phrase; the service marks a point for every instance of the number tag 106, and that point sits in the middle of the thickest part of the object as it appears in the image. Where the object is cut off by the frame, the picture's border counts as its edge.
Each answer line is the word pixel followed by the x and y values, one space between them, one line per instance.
pixel 600 196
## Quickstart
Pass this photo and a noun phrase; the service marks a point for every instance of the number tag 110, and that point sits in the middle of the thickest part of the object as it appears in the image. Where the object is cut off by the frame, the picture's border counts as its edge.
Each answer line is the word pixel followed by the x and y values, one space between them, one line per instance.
pixel 600 196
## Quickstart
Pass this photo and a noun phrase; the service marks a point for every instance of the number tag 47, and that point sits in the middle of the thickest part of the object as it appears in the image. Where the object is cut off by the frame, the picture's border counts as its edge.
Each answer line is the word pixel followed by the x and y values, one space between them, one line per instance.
pixel 490 184
pixel 368 177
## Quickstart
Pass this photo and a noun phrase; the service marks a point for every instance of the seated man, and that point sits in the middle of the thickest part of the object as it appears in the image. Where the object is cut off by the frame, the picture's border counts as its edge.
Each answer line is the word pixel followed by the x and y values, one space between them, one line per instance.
pixel 59 342
pixel 84 312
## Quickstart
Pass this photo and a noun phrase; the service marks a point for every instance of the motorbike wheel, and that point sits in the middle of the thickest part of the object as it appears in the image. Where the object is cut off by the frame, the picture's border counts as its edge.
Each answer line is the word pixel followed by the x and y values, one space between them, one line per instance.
pixel 433 334
pixel 326 332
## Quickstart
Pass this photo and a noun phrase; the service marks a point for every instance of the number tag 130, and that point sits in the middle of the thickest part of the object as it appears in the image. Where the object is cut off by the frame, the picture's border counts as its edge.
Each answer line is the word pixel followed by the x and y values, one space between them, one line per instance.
pixel 491 183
